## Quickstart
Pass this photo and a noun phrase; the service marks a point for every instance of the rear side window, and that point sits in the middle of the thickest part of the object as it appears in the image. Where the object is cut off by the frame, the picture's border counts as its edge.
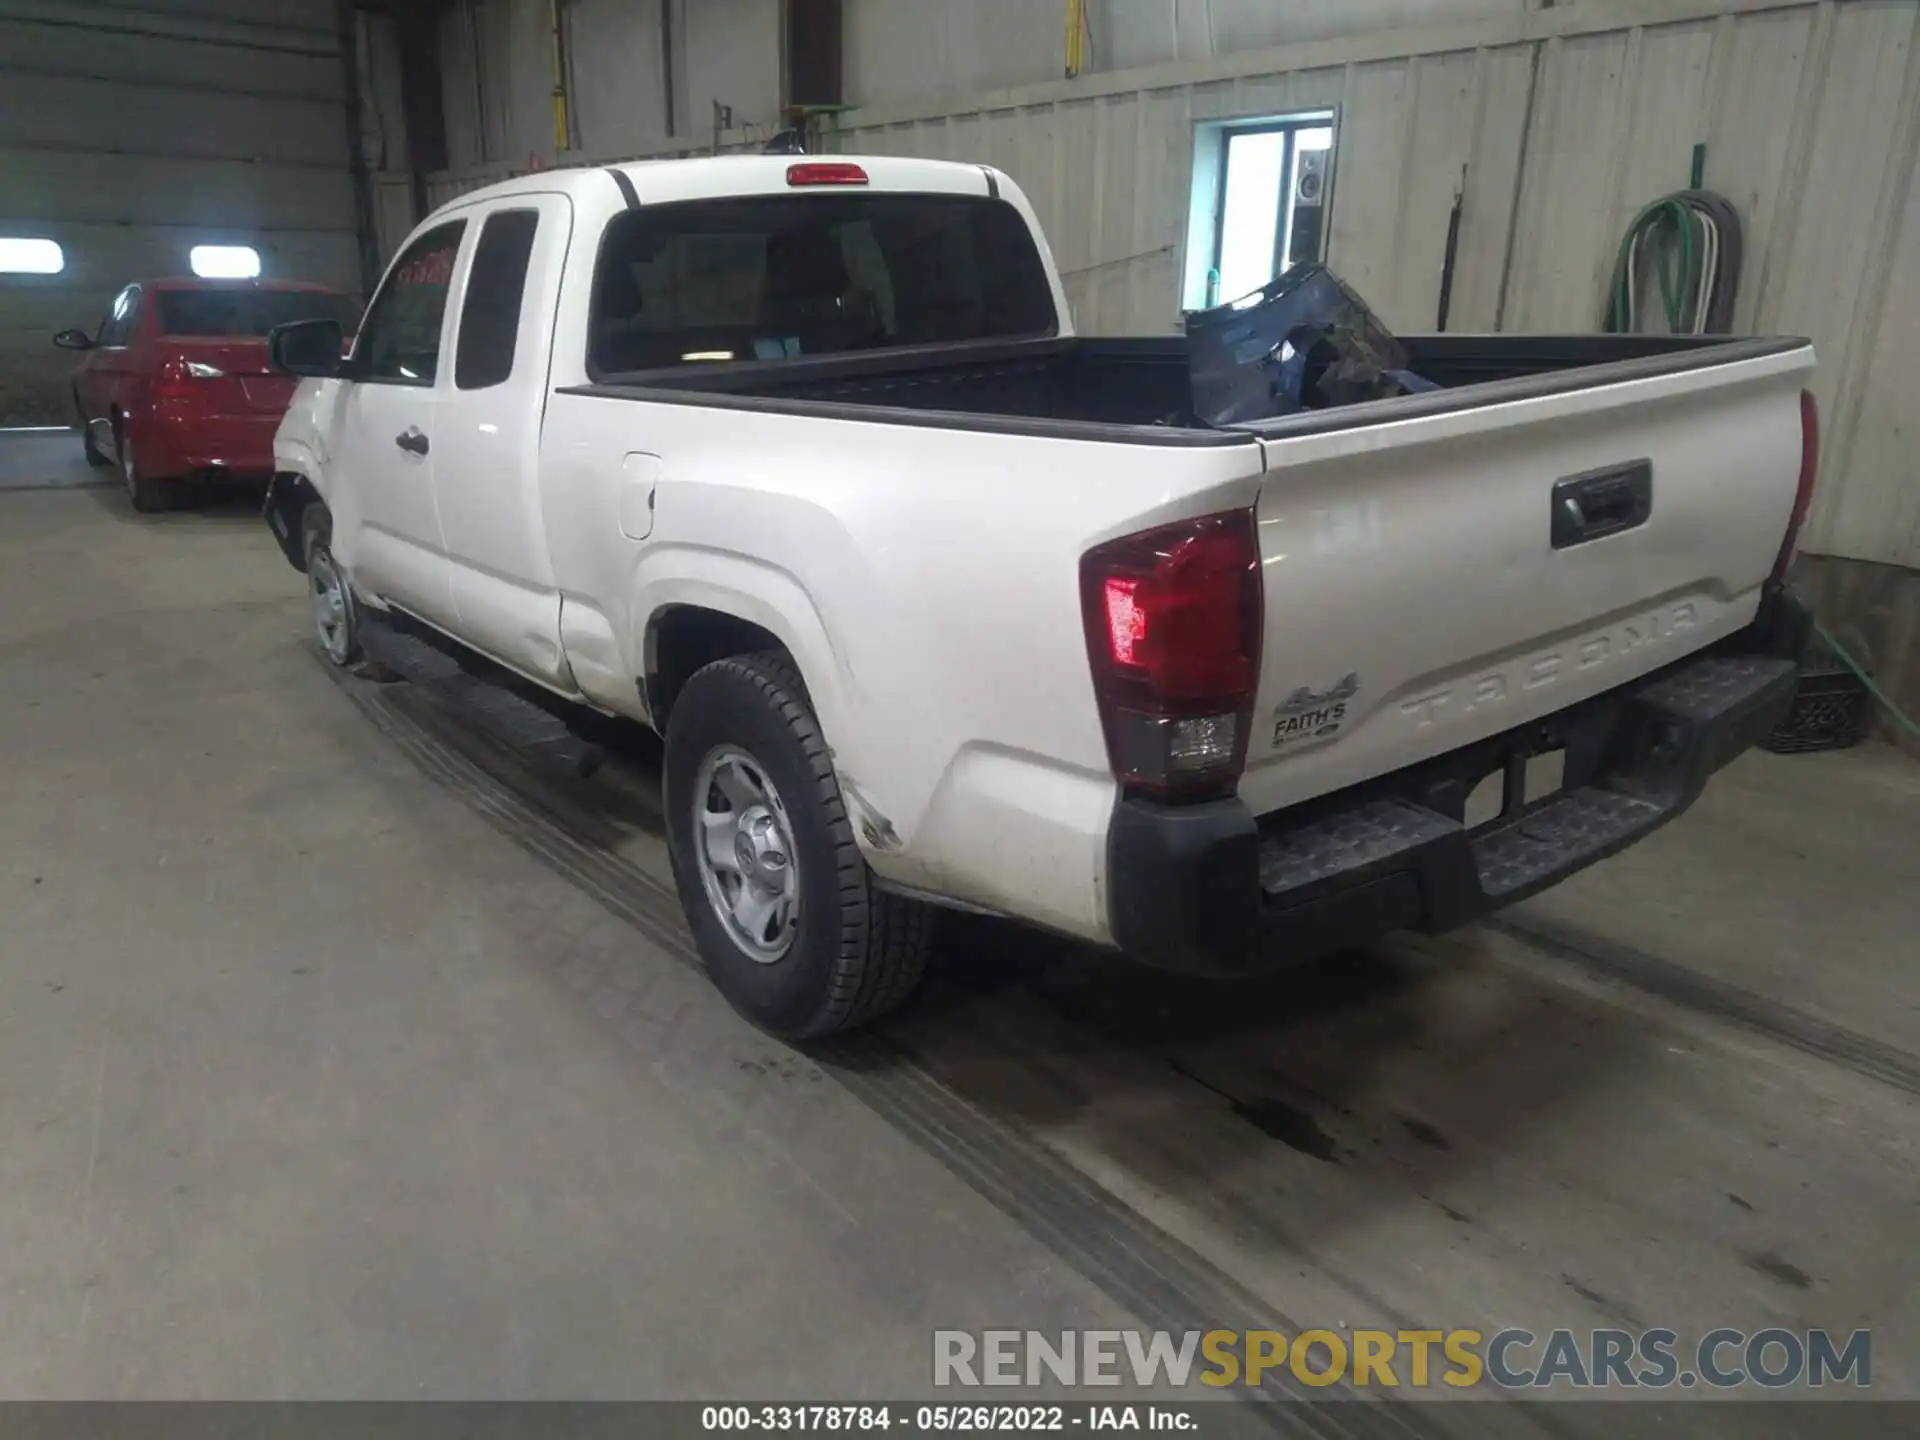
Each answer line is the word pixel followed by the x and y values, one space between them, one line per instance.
pixel 775 277
pixel 399 341
pixel 246 313
pixel 490 314
pixel 117 329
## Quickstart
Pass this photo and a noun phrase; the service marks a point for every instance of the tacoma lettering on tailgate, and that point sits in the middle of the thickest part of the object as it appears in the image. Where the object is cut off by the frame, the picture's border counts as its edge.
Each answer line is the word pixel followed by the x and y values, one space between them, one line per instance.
pixel 1537 672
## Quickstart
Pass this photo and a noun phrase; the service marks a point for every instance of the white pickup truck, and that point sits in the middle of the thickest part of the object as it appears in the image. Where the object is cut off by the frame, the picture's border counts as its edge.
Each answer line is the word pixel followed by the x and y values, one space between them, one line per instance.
pixel 798 461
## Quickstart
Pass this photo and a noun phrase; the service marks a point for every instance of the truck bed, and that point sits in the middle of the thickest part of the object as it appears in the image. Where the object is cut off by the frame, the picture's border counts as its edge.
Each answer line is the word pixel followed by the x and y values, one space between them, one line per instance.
pixel 1072 386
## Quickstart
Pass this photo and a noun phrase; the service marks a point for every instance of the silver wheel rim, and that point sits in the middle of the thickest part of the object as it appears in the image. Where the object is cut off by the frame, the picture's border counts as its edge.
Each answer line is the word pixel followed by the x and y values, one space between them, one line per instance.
pixel 743 845
pixel 329 603
pixel 127 469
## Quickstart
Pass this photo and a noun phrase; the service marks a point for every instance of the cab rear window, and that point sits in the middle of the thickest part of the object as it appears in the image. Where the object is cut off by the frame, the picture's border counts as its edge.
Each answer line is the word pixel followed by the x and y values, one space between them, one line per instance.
pixel 779 277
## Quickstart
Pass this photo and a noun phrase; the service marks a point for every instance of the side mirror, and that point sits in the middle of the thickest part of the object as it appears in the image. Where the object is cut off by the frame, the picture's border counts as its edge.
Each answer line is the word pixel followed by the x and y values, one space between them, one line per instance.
pixel 306 347
pixel 73 340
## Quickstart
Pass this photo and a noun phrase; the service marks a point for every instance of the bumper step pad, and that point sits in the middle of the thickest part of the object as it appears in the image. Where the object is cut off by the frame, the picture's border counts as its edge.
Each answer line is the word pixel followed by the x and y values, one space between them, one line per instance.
pixel 1352 840
pixel 1210 888
pixel 1572 830
pixel 1662 739
pixel 1717 684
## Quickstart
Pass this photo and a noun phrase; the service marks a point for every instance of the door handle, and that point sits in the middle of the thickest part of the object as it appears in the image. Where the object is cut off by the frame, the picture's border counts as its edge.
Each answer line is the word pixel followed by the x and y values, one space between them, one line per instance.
pixel 1601 503
pixel 412 440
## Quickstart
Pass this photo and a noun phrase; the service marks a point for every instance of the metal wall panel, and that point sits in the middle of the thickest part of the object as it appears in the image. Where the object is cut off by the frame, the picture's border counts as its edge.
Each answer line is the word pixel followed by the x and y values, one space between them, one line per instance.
pixel 42 111
pixel 296 64
pixel 903 50
pixel 48 184
pixel 899 49
pixel 1879 442
pixel 1811 117
pixel 1821 275
pixel 130 134
pixel 496 61
pixel 1568 120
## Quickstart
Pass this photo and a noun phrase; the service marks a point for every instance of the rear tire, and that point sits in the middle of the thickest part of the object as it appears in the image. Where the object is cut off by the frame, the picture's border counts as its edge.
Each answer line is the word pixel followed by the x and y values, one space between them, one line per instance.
pixel 95 456
pixel 336 614
pixel 149 496
pixel 847 952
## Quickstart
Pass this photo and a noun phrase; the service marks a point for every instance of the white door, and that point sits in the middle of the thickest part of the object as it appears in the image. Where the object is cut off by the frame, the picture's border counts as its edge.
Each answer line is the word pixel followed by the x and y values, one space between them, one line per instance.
pixel 384 428
pixel 486 440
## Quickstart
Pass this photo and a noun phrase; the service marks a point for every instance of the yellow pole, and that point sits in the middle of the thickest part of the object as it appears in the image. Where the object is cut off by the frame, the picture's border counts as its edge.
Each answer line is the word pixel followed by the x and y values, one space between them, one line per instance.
pixel 562 130
pixel 1076 32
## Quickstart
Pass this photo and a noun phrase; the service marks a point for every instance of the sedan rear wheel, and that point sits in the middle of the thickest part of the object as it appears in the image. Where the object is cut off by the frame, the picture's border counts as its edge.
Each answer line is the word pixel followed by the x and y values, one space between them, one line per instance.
pixel 87 447
pixel 149 496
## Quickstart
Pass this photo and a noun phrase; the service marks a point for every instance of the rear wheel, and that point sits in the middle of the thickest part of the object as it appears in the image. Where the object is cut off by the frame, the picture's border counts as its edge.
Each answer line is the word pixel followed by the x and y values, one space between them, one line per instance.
pixel 336 617
pixel 785 913
pixel 92 451
pixel 147 494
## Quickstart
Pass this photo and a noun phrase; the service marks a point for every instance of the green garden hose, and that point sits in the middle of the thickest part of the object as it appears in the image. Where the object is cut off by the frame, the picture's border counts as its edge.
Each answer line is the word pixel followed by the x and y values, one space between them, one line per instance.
pixel 1691 242
pixel 1900 717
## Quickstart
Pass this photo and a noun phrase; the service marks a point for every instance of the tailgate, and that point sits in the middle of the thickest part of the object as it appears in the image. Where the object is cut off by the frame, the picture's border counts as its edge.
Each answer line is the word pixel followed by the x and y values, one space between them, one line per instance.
pixel 1421 595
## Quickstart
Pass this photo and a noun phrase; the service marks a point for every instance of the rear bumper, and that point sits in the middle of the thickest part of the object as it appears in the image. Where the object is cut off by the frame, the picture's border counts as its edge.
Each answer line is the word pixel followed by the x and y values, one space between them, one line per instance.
pixel 177 446
pixel 1208 889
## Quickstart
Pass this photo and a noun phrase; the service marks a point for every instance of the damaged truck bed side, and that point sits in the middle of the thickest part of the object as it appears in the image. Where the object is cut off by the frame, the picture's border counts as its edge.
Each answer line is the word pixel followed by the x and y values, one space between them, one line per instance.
pixel 935 603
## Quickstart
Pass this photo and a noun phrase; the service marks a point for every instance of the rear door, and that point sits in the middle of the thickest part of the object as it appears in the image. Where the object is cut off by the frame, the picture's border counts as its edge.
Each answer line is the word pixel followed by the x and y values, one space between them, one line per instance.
pixel 108 366
pixel 1440 578
pixel 385 424
pixel 487 436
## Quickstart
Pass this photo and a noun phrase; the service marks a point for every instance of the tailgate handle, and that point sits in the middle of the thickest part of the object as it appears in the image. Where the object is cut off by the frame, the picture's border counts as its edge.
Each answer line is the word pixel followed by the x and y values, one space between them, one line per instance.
pixel 1601 503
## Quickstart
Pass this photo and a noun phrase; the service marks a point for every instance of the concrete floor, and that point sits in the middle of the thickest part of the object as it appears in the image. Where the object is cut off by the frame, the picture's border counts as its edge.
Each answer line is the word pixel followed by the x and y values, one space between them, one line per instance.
pixel 41 457
pixel 340 1057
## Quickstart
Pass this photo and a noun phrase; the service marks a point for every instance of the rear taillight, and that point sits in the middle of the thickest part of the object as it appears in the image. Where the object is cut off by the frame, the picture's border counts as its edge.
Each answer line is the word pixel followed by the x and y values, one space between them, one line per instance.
pixel 1173 634
pixel 172 379
pixel 178 376
pixel 1803 494
pixel 825 172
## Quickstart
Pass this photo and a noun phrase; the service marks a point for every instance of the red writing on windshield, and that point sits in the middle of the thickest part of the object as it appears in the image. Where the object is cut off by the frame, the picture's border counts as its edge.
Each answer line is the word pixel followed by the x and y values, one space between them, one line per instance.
pixel 433 268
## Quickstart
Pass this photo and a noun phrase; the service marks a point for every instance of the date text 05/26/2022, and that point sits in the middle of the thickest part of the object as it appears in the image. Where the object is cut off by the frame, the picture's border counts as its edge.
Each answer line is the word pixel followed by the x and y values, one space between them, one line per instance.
pixel 946 1419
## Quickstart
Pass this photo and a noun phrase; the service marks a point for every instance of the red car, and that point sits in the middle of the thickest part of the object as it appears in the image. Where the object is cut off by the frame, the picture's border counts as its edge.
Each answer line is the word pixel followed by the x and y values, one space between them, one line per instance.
pixel 176 387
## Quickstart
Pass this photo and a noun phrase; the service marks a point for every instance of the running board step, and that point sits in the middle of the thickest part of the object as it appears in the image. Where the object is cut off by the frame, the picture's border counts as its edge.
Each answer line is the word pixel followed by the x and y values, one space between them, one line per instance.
pixel 408 656
pixel 516 722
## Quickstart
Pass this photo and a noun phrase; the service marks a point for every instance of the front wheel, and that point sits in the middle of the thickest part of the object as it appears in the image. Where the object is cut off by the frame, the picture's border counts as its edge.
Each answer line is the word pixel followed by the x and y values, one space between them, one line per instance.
pixel 784 911
pixel 336 616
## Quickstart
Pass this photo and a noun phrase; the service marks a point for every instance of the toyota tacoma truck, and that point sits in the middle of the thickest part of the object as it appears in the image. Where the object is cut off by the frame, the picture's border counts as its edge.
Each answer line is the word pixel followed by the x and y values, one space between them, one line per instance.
pixel 799 462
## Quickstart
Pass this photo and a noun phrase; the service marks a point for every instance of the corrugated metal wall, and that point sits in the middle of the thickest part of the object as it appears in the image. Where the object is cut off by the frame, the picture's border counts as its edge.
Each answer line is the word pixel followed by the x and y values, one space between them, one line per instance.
pixel 912 49
pixel 128 135
pixel 497 75
pixel 1566 121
